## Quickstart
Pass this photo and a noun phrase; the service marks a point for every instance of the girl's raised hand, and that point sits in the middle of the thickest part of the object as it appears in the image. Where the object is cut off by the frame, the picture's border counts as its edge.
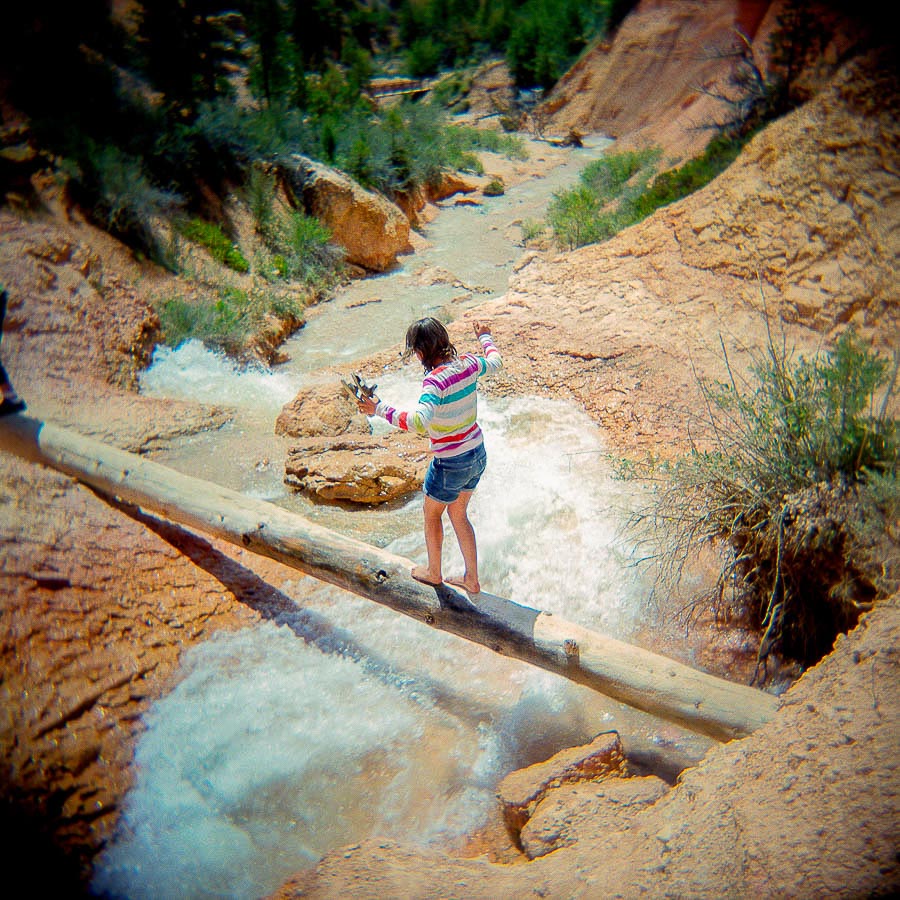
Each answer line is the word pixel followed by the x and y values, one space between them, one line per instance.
pixel 481 328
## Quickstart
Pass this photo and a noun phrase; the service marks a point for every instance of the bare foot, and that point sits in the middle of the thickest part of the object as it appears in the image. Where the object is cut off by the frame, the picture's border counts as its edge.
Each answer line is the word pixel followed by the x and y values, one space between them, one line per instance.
pixel 420 573
pixel 470 587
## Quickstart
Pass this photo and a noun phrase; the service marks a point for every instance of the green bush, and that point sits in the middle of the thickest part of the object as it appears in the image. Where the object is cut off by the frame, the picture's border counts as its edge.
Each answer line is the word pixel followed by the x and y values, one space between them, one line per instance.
pixel 304 244
pixel 608 176
pixel 670 186
pixel 412 145
pixel 792 470
pixel 298 246
pixel 423 57
pixel 531 229
pixel 598 207
pixel 212 237
pixel 121 196
pixel 547 35
pixel 620 190
pixel 228 321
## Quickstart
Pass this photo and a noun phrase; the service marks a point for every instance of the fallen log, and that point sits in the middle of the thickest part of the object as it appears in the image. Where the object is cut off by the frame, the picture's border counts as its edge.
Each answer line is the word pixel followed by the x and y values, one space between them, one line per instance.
pixel 645 680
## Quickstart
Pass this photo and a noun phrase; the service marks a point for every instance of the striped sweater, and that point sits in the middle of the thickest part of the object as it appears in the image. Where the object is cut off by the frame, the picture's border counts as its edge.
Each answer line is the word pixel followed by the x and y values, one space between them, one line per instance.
pixel 448 407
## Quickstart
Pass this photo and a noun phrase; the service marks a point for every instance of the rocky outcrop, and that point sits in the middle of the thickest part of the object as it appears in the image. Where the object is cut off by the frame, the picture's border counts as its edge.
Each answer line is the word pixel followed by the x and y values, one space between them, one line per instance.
pixel 611 804
pixel 338 459
pixel 321 410
pixel 97 607
pixel 364 469
pixel 806 807
pixel 523 791
pixel 678 49
pixel 786 231
pixel 371 229
pixel 69 311
pixel 659 81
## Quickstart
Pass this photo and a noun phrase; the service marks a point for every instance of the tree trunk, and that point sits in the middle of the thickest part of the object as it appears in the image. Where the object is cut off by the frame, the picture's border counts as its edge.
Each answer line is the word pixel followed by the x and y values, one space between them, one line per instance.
pixel 640 678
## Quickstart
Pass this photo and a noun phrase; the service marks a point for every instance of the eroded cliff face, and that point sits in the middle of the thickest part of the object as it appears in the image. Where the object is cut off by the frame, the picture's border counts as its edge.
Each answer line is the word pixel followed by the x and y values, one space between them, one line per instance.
pixel 662 80
pixel 98 603
pixel 803 226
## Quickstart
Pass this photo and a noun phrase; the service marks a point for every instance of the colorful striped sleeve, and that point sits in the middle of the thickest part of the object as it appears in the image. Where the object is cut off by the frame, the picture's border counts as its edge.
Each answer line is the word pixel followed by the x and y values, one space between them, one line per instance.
pixel 418 419
pixel 492 358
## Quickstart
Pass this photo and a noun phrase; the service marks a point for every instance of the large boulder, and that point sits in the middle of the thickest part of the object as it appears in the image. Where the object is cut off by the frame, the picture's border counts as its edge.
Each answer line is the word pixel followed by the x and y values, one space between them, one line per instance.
pixel 321 410
pixel 365 469
pixel 371 229
pixel 338 459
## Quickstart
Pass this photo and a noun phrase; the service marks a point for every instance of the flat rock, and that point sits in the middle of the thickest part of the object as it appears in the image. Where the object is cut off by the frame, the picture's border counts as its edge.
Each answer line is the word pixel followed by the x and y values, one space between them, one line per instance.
pixel 371 229
pixel 364 469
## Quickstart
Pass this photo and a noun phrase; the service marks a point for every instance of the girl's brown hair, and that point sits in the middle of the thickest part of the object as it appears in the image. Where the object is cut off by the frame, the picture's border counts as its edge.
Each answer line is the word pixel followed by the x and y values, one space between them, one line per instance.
pixel 429 338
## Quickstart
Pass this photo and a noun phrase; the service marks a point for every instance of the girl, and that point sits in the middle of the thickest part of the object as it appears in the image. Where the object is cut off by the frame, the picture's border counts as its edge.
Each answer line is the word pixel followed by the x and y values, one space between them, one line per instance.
pixel 446 412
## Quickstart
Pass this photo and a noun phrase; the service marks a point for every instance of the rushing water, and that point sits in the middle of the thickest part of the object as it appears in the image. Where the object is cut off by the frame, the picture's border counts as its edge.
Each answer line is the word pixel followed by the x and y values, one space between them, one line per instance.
pixel 336 719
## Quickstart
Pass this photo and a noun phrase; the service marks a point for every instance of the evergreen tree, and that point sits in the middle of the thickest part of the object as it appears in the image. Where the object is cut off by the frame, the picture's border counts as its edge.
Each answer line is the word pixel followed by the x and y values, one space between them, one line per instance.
pixel 272 71
pixel 186 47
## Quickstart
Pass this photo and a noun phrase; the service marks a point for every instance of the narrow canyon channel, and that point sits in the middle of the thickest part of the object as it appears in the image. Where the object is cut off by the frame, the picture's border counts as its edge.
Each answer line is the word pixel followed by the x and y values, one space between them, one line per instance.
pixel 335 719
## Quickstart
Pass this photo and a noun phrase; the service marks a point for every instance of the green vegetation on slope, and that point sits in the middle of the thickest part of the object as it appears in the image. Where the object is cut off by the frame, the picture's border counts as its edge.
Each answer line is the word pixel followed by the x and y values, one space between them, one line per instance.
pixel 621 189
pixel 796 470
pixel 151 111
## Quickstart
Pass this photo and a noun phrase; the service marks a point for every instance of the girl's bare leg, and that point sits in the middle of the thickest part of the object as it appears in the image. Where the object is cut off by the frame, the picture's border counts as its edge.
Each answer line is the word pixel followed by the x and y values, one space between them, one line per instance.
pixel 465 535
pixel 434 542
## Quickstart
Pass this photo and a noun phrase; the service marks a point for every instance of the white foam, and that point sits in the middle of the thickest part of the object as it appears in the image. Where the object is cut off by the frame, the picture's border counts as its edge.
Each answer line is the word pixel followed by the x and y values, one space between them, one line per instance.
pixel 341 719
pixel 193 372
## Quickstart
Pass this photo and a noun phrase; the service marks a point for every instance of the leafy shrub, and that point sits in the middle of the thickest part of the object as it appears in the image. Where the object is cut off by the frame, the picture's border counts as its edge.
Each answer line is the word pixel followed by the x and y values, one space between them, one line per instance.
pixel 531 229
pixel 411 145
pixel 620 190
pixel 794 468
pixel 228 321
pixel 304 245
pixel 299 246
pixel 122 197
pixel 450 89
pixel 423 57
pixel 220 247
pixel 464 138
pixel 670 186
pixel 608 176
pixel 596 208
pixel 232 130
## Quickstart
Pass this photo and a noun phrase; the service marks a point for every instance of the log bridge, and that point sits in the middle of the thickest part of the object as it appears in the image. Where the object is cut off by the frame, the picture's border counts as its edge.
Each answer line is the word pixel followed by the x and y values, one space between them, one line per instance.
pixel 640 678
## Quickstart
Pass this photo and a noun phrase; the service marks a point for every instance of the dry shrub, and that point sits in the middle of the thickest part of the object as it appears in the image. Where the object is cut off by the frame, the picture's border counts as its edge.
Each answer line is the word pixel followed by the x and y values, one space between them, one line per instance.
pixel 794 474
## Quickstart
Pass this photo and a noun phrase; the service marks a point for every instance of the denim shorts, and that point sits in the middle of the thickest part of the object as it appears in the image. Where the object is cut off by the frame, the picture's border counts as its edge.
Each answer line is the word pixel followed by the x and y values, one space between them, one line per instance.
pixel 448 477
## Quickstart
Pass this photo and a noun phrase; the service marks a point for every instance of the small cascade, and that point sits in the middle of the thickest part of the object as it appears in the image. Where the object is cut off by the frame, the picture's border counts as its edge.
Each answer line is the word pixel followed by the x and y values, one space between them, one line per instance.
pixel 336 719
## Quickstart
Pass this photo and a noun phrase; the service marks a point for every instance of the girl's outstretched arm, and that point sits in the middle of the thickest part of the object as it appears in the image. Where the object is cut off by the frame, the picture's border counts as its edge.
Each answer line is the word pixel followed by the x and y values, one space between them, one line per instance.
pixel 417 420
pixel 492 357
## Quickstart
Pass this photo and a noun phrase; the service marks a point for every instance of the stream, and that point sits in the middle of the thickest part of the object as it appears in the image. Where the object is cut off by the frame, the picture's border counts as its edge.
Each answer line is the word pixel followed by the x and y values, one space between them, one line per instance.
pixel 336 719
